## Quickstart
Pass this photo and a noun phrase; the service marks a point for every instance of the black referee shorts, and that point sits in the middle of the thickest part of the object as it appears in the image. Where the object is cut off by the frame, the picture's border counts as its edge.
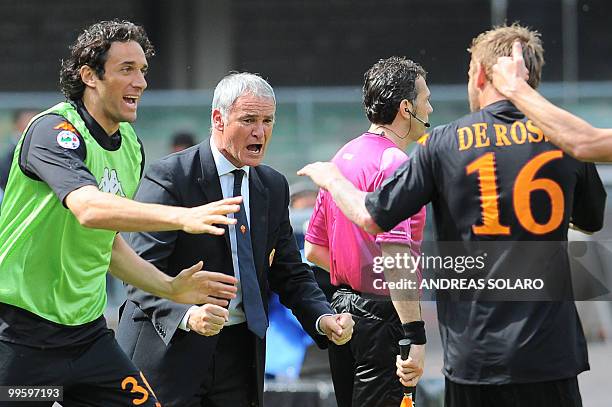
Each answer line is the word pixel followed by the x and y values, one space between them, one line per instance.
pixel 557 393
pixel 94 374
pixel 363 370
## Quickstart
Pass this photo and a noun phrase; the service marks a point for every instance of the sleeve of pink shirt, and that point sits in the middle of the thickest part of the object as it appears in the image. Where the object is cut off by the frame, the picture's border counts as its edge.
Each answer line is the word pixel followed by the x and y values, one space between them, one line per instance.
pixel 390 160
pixel 317 228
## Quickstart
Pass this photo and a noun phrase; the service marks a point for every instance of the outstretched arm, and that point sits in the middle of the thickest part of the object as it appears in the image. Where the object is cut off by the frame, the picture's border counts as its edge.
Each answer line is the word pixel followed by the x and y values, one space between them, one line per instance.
pixel 191 286
pixel 349 199
pixel 569 132
pixel 96 209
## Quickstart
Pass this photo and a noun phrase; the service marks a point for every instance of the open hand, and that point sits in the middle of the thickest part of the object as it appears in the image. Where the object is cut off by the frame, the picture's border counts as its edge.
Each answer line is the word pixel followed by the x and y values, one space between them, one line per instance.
pixel 201 219
pixel 321 173
pixel 197 286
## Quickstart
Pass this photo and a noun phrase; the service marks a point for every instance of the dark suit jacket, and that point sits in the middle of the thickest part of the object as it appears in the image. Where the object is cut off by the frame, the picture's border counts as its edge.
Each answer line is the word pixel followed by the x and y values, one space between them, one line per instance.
pixel 174 361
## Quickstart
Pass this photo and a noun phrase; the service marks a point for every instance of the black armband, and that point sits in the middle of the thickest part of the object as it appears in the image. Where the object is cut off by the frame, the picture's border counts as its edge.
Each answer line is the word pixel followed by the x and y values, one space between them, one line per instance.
pixel 415 332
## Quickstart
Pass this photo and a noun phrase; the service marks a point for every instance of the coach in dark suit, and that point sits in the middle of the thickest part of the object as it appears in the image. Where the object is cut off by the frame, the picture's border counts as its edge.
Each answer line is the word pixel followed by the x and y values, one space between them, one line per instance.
pixel 214 354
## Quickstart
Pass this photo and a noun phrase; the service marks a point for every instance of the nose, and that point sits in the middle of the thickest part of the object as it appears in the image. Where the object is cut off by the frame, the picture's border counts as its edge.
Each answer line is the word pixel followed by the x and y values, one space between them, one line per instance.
pixel 139 81
pixel 259 130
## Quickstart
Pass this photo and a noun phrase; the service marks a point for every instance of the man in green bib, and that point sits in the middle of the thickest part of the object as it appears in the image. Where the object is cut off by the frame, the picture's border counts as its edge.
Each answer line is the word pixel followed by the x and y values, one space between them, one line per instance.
pixel 69 192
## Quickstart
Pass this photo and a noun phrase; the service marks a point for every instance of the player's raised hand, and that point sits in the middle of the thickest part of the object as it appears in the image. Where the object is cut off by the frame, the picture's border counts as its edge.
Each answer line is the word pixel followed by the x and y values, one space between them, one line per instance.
pixel 321 173
pixel 201 219
pixel 509 72
pixel 197 286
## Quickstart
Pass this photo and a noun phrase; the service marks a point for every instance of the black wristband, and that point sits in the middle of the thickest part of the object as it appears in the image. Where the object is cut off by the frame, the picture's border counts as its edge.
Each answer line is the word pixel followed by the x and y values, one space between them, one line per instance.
pixel 415 332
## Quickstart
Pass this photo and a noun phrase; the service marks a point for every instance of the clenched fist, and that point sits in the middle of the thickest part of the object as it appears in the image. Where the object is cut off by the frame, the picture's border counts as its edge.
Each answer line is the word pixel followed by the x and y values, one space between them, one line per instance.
pixel 410 370
pixel 208 319
pixel 338 328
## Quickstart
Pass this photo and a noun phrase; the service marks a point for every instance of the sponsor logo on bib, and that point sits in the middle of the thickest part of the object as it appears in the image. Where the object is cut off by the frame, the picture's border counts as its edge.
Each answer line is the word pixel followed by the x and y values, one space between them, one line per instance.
pixel 110 183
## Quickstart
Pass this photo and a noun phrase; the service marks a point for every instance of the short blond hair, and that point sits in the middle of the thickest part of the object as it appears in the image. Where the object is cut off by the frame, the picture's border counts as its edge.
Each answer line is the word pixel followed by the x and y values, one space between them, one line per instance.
pixel 497 42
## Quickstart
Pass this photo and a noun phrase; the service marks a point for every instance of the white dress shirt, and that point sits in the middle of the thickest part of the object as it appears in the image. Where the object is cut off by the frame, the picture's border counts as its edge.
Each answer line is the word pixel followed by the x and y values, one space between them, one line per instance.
pixel 226 179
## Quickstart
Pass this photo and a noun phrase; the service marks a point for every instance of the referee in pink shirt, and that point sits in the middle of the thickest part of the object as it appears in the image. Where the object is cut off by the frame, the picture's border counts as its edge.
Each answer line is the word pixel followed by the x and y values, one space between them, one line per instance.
pixel 396 102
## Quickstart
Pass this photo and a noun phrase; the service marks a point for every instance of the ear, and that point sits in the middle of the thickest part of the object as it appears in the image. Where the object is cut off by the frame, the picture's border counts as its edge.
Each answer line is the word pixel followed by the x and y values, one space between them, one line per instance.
pixel 217 119
pixel 405 107
pixel 481 76
pixel 88 76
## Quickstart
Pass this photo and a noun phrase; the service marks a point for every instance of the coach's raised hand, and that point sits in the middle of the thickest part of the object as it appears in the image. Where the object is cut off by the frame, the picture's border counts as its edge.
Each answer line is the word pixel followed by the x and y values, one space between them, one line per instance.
pixel 197 286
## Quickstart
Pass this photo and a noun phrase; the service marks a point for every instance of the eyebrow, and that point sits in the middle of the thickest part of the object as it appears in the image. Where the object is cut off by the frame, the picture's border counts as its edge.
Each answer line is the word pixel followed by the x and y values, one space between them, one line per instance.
pixel 145 66
pixel 247 115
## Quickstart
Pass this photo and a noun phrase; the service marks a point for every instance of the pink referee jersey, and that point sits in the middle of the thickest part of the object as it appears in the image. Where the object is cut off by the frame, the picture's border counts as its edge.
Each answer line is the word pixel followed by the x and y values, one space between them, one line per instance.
pixel 366 161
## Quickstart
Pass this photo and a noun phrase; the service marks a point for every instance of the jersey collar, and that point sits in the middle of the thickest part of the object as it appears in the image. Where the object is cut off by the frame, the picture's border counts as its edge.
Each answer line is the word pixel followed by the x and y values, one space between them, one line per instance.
pixel 112 142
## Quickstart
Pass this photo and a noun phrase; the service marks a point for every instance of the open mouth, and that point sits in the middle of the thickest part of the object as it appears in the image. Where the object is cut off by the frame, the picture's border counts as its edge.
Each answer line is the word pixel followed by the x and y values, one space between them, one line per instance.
pixel 255 148
pixel 131 100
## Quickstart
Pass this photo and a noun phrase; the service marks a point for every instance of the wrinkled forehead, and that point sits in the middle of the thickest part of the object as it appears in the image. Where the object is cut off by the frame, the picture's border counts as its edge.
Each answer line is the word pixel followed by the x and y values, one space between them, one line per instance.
pixel 254 104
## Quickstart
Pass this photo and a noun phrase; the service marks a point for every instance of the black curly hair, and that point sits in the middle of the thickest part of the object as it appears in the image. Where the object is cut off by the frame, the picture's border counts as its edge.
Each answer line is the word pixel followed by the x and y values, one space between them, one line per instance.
pixel 91 49
pixel 386 84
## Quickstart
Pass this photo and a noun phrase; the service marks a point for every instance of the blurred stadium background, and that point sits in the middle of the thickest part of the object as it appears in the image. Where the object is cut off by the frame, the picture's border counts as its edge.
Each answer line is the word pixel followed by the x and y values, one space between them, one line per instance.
pixel 314 53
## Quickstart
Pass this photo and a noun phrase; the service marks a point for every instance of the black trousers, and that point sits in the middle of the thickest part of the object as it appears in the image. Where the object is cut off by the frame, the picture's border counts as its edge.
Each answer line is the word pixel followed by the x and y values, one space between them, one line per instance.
pixel 231 380
pixel 363 370
pixel 557 393
pixel 94 374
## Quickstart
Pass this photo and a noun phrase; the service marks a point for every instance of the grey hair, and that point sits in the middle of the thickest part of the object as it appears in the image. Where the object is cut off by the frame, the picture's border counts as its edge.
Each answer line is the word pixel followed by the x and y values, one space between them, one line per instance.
pixel 234 85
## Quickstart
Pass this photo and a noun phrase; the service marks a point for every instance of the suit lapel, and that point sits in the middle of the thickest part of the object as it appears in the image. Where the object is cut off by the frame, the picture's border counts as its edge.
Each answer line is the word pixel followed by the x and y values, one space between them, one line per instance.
pixel 209 182
pixel 258 203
